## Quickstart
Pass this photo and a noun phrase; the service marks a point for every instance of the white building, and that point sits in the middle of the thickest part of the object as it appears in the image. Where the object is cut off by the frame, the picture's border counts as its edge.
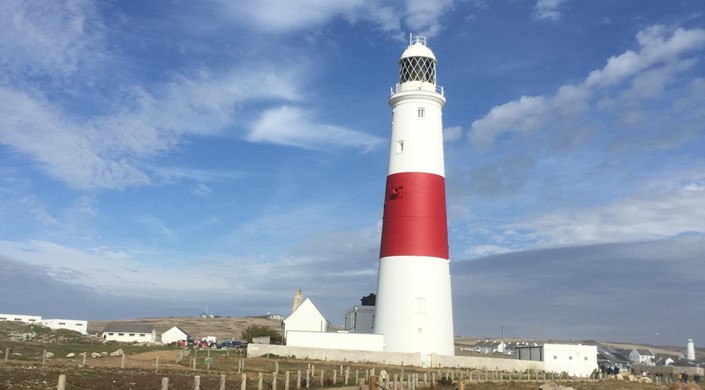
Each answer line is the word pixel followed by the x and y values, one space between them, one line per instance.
pixel 306 317
pixel 690 350
pixel 130 333
pixel 576 360
pixel 21 318
pixel 173 335
pixel 360 319
pixel 643 356
pixel 79 326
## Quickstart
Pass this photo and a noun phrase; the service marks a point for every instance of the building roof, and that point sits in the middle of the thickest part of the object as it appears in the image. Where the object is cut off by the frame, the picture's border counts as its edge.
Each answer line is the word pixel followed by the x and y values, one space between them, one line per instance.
pixel 128 327
pixel 644 352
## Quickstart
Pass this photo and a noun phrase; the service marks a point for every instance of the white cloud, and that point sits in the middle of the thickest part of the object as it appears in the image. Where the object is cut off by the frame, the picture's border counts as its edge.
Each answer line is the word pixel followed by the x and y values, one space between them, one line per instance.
pixel 631 219
pixel 658 61
pixel 49 38
pixel 452 134
pixel 201 190
pixel 547 10
pixel 106 152
pixel 280 16
pixel 293 126
pixel 423 17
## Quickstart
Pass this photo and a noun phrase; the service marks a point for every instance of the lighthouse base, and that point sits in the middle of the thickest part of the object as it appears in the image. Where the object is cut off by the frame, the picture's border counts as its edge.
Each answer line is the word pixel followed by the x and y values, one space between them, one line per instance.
pixel 414 310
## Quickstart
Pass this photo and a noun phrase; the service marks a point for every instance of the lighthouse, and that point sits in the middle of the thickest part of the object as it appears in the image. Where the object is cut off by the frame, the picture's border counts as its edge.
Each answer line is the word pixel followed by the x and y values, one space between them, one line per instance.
pixel 413 309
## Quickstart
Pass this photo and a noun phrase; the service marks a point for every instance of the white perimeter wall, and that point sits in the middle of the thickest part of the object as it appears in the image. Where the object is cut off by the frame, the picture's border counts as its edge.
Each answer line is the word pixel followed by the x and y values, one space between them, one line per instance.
pixel 395 358
pixel 347 341
pixel 75 325
pixel 576 360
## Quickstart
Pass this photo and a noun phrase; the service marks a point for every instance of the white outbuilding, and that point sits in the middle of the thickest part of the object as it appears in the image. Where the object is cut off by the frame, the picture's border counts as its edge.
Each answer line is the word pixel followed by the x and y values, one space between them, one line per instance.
pixel 574 359
pixel 21 318
pixel 173 335
pixel 306 317
pixel 79 326
pixel 130 332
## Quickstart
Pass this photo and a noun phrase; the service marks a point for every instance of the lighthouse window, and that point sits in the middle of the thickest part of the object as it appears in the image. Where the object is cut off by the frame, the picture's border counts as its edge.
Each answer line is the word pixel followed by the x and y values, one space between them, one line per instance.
pixel 420 306
pixel 421 112
pixel 400 146
pixel 417 69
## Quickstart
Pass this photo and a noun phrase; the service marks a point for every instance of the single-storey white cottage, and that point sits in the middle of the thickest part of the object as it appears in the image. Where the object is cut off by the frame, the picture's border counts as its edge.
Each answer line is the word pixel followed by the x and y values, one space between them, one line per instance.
pixel 306 317
pixel 130 332
pixel 173 335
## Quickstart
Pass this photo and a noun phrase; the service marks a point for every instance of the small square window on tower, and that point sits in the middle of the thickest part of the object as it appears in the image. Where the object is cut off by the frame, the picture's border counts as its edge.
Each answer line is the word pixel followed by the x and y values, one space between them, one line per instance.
pixel 421 112
pixel 400 146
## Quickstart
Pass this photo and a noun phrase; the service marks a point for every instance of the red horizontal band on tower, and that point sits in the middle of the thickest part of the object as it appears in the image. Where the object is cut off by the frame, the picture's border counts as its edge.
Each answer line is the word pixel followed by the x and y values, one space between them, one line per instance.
pixel 414 221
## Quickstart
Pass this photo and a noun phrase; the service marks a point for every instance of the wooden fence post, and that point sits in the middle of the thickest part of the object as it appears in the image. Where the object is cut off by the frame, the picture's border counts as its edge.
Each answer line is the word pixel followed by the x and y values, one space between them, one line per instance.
pixel 259 381
pixel 286 380
pixel 298 379
pixel 165 383
pixel 122 361
pixel 347 375
pixel 335 377
pixel 156 364
pixel 323 373
pixel 84 358
pixel 44 358
pixel 243 383
pixel 7 354
pixel 61 385
pixel 197 382
pixel 274 381
pixel 222 381
pixel 308 378
pixel 276 367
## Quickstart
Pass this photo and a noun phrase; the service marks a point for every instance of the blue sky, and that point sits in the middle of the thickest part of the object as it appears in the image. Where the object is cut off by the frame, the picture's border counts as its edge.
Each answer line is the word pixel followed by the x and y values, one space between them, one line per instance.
pixel 157 158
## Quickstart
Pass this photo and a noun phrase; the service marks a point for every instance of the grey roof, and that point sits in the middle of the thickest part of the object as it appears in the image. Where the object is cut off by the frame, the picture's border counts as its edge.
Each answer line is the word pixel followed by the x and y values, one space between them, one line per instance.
pixel 645 352
pixel 128 327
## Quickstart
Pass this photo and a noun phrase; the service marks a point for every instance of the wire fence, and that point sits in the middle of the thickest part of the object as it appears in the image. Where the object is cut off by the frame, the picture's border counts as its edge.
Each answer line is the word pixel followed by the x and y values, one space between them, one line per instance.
pixel 217 370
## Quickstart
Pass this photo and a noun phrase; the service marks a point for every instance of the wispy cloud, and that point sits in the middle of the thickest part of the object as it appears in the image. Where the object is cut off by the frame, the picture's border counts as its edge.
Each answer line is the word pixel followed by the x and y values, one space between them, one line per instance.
pixel 660 51
pixel 293 126
pixel 547 10
pixel 276 16
pixel 50 39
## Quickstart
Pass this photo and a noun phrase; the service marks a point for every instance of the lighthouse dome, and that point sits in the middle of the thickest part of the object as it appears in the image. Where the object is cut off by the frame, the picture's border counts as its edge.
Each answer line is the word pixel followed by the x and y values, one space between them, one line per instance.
pixel 418 48
pixel 417 63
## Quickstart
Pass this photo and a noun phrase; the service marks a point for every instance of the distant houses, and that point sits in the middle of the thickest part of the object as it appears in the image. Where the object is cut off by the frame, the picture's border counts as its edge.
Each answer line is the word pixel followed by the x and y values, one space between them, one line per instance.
pixel 79 326
pixel 127 332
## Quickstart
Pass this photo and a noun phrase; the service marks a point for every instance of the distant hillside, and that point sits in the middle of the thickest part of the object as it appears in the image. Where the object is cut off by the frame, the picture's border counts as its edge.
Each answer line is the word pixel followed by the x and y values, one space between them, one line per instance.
pixel 197 327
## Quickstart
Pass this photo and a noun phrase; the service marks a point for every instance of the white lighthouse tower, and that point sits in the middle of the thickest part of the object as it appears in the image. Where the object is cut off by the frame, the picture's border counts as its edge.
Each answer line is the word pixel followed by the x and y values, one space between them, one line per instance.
pixel 413 308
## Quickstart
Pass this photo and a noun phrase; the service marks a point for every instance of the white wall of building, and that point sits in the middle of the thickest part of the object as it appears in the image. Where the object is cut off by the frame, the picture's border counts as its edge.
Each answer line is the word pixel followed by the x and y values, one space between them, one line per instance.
pixel 173 335
pixel 360 319
pixel 576 360
pixel 347 341
pixel 21 318
pixel 75 325
pixel 131 337
pixel 305 318
pixel 395 358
